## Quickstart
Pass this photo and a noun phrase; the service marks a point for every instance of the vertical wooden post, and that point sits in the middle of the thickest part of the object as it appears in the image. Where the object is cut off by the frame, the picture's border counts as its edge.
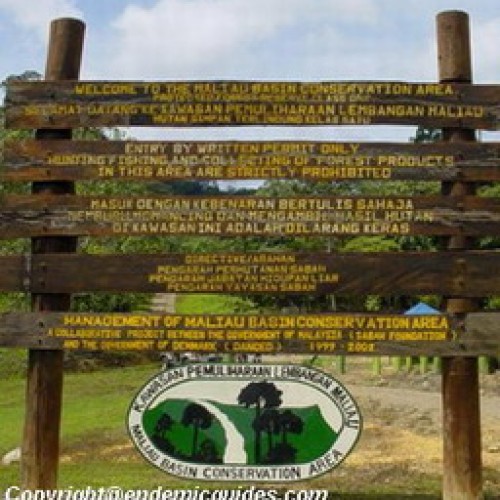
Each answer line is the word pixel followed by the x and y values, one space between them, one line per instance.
pixel 40 454
pixel 460 386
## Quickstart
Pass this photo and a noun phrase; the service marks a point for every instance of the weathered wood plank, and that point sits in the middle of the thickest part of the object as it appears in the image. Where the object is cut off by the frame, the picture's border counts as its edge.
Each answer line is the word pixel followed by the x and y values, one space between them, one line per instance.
pixel 229 103
pixel 483 326
pixel 29 160
pixel 349 333
pixel 15 273
pixel 25 216
pixel 469 274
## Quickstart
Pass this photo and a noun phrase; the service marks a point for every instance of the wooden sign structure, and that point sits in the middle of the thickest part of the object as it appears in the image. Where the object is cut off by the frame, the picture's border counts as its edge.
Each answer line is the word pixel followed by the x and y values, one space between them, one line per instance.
pixel 53 216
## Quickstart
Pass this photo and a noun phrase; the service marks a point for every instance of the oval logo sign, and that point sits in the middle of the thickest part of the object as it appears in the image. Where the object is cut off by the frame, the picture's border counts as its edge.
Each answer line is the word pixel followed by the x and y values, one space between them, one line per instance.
pixel 244 422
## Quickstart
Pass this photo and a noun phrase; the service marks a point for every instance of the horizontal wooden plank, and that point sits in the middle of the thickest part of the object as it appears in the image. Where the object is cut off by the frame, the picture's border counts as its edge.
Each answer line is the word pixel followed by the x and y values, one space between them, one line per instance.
pixel 29 215
pixel 348 333
pixel 15 273
pixel 463 274
pixel 229 103
pixel 31 160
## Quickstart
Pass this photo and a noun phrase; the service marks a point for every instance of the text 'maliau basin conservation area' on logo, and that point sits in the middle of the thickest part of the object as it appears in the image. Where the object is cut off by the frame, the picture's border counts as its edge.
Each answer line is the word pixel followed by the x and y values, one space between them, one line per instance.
pixel 253 422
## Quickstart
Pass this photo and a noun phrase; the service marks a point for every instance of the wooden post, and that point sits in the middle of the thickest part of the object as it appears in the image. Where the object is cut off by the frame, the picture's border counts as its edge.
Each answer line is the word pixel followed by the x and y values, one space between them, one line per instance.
pixel 40 454
pixel 460 386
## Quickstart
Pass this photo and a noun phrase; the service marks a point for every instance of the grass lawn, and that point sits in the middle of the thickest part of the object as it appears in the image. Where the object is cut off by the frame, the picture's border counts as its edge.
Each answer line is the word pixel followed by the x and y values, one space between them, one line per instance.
pixel 213 304
pixel 94 410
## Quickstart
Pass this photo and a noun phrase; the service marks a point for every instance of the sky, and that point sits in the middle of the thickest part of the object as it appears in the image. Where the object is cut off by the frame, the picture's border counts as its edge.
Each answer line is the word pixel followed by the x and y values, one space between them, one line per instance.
pixel 300 40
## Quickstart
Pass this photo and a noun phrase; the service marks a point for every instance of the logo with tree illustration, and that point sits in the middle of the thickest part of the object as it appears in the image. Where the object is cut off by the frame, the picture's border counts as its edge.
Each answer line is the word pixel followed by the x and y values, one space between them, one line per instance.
pixel 265 397
pixel 264 419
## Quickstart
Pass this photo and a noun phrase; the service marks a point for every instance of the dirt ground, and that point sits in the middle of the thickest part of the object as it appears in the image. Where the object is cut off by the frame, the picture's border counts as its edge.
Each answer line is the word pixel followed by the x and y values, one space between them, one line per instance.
pixel 401 443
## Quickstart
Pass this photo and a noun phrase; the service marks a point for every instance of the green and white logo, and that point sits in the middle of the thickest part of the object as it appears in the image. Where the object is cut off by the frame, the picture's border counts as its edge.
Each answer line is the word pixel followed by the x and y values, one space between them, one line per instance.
pixel 244 422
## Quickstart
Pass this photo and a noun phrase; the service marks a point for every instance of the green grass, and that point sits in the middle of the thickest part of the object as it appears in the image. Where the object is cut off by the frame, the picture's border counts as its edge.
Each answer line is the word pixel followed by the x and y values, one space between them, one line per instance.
pixel 12 362
pixel 140 475
pixel 214 304
pixel 94 404
pixel 94 410
pixel 100 400
pixel 11 413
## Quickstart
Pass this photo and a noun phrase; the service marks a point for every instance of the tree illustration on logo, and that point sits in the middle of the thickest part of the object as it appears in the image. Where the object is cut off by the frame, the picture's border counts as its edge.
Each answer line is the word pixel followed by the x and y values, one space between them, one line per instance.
pixel 200 418
pixel 262 395
pixel 163 425
pixel 290 422
pixel 283 452
pixel 268 422
pixel 208 453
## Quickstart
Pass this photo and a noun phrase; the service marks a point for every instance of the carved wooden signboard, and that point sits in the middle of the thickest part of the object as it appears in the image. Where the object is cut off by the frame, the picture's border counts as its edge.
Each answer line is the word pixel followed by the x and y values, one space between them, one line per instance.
pixel 86 104
pixel 328 333
pixel 253 216
pixel 450 273
pixel 320 161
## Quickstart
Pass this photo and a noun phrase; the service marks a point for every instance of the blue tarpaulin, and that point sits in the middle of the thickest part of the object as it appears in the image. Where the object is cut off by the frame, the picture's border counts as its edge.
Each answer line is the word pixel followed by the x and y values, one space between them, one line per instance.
pixel 422 308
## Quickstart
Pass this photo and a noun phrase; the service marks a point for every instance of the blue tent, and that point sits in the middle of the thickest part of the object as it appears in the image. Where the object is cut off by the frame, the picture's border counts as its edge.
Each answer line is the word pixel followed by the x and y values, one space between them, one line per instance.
pixel 422 308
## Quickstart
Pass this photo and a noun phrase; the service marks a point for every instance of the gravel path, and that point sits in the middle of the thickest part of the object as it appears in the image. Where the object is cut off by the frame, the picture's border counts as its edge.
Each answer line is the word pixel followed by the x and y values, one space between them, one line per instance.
pixel 163 303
